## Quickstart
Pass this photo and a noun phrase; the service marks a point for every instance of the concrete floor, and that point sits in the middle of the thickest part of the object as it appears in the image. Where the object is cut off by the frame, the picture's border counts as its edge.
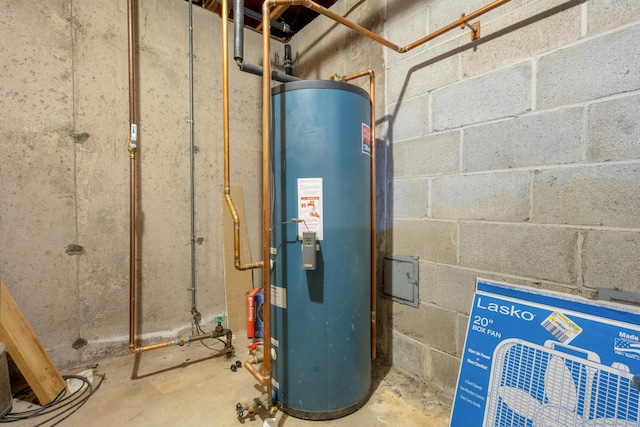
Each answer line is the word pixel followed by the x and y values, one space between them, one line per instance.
pixel 193 386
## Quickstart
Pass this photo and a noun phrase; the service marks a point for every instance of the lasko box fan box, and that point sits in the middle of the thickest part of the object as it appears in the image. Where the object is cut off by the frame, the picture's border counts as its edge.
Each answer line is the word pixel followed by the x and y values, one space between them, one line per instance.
pixel 543 359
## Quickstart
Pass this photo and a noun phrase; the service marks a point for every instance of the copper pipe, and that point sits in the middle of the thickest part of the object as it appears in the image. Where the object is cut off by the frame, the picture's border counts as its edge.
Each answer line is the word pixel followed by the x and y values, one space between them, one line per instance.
pixel 326 12
pixel 458 23
pixel 133 115
pixel 133 33
pixel 266 180
pixel 266 195
pixel 262 380
pixel 180 341
pixel 133 148
pixel 374 230
pixel 374 252
pixel 225 120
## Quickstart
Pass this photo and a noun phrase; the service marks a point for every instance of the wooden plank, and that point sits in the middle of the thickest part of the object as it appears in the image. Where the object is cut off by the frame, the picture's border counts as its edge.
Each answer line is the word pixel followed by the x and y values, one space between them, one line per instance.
pixel 212 5
pixel 237 283
pixel 26 350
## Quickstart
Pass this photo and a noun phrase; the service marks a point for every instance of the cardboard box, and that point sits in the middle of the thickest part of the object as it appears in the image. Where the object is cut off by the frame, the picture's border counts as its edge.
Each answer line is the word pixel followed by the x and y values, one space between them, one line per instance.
pixel 542 358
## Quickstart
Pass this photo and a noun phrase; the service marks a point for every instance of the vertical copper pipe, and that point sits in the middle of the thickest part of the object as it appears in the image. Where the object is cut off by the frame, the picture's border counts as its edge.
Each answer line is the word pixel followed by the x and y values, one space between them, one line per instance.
pixel 266 194
pixel 133 115
pixel 133 189
pixel 374 251
pixel 374 217
pixel 266 180
pixel 225 120
pixel 133 149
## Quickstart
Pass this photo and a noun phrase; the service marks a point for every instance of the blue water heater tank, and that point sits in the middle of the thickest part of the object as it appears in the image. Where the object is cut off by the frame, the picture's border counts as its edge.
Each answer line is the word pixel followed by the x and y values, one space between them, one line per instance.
pixel 321 308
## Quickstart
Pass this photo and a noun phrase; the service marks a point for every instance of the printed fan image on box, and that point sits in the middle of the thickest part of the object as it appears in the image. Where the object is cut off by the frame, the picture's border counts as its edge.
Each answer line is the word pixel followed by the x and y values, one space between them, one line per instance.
pixel 558 385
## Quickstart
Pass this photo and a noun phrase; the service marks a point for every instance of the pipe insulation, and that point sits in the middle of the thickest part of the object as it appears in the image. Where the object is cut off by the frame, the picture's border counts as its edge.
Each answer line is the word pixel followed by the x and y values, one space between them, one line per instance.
pixel 238 44
pixel 282 26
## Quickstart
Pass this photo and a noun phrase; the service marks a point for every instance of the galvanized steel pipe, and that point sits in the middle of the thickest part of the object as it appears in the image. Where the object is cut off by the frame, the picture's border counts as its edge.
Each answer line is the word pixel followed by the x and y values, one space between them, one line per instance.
pixel 192 195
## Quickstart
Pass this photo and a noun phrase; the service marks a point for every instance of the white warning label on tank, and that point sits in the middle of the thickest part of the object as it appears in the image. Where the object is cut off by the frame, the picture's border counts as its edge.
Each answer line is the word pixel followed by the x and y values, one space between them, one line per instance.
pixel 366 139
pixel 310 206
pixel 279 296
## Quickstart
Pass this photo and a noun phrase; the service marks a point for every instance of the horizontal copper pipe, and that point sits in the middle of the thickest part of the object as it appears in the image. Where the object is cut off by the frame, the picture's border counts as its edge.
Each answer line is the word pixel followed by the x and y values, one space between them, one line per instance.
pixel 459 22
pixel 180 341
pixel 134 349
pixel 358 75
pixel 455 24
pixel 326 12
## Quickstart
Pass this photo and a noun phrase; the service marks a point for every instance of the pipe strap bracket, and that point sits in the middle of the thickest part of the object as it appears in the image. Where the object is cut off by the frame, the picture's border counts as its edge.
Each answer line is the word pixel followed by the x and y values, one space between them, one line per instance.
pixel 475 27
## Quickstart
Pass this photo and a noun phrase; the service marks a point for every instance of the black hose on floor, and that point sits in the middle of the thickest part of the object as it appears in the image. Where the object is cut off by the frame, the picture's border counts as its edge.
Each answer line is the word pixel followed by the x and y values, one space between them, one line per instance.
pixel 64 405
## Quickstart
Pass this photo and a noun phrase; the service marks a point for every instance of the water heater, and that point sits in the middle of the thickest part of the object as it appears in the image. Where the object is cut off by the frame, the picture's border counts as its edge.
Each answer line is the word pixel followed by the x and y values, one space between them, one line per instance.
pixel 321 249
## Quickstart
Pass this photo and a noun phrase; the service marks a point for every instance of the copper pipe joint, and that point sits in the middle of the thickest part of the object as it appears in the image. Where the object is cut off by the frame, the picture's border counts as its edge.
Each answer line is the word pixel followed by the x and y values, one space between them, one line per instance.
pixel 248 364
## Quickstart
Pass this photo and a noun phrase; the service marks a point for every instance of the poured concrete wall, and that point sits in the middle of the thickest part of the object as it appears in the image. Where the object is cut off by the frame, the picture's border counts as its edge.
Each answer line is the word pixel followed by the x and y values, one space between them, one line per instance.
pixel 64 169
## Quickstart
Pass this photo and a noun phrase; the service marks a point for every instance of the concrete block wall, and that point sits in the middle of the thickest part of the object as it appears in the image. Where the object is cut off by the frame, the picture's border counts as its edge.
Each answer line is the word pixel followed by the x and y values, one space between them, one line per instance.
pixel 514 157
pixel 64 169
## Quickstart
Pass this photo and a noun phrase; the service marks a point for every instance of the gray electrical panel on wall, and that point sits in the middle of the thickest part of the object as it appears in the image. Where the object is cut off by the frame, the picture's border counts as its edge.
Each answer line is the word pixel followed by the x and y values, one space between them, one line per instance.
pixel 400 279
